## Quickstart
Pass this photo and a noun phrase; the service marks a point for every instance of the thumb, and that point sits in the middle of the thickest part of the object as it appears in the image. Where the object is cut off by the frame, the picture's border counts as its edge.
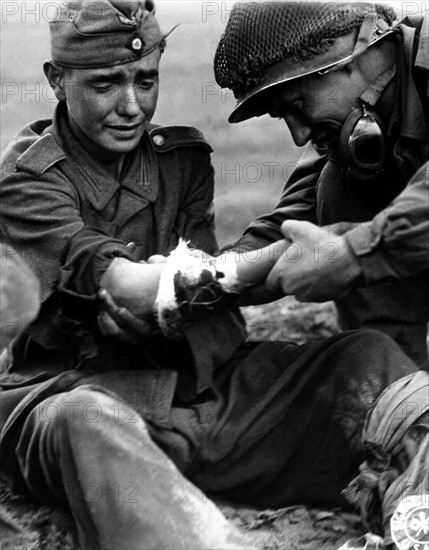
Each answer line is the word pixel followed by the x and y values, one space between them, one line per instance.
pixel 295 230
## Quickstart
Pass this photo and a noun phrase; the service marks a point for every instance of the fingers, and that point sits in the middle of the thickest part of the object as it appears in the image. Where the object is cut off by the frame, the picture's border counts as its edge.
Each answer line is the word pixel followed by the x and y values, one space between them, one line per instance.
pixel 119 322
pixel 107 302
pixel 129 321
pixel 109 328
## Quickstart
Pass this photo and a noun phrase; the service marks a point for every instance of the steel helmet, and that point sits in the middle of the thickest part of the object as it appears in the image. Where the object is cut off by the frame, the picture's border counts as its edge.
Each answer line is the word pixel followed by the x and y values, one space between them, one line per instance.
pixel 269 43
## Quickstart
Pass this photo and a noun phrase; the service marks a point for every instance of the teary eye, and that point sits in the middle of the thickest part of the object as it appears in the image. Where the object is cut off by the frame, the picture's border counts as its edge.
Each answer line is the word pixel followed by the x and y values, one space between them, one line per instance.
pixel 146 84
pixel 103 88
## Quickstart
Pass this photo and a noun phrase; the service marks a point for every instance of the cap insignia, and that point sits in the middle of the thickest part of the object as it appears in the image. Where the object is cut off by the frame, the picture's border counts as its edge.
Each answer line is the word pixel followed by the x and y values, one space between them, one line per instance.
pixel 136 44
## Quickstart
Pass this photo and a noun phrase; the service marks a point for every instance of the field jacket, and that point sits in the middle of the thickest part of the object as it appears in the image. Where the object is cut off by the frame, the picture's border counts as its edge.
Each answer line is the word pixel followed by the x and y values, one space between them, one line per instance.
pixel 385 219
pixel 69 219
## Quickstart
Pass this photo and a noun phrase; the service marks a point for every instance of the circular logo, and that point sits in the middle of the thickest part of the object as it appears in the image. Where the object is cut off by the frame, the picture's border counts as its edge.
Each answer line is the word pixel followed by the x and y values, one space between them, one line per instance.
pixel 136 44
pixel 410 523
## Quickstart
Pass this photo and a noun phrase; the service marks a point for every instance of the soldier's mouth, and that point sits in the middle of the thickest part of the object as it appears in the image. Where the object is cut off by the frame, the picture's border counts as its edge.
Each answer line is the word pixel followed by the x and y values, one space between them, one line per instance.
pixel 326 141
pixel 327 134
pixel 125 130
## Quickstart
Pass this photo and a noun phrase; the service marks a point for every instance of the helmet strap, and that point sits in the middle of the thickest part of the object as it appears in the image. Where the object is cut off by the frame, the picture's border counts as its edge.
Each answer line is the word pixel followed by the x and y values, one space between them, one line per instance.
pixel 371 29
pixel 372 93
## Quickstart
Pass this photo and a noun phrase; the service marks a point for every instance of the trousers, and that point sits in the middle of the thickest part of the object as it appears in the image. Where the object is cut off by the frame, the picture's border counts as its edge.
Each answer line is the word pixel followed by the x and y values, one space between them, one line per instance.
pixel 284 428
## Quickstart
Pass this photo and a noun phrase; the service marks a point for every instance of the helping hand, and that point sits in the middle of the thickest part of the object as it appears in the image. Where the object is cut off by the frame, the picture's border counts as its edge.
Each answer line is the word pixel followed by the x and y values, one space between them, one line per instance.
pixel 318 266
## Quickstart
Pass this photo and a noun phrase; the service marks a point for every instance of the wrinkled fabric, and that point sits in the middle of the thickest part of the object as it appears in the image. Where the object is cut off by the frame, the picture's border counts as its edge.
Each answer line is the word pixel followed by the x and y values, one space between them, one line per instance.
pixel 103 33
pixel 69 219
pixel 282 423
pixel 95 455
pixel 384 481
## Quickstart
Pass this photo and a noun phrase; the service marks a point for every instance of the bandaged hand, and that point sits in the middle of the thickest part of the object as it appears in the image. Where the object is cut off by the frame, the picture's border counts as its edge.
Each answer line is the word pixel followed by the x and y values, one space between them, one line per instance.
pixel 194 284
pixel 187 285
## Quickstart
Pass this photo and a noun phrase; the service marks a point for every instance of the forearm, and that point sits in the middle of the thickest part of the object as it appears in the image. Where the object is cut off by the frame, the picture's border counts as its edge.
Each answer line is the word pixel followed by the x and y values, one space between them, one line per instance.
pixel 252 268
pixel 133 285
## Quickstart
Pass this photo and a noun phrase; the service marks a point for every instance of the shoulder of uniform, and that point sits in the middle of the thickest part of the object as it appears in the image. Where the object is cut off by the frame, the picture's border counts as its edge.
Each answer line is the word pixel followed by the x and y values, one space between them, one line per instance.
pixel 166 138
pixel 41 155
pixel 31 149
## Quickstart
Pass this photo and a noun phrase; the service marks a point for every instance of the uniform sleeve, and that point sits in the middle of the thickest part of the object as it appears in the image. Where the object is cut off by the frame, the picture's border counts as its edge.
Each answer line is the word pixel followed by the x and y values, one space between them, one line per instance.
pixel 197 204
pixel 396 242
pixel 298 202
pixel 39 217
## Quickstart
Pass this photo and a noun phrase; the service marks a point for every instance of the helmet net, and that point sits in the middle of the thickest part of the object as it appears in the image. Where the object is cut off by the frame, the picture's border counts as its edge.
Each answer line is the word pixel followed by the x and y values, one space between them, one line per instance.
pixel 259 35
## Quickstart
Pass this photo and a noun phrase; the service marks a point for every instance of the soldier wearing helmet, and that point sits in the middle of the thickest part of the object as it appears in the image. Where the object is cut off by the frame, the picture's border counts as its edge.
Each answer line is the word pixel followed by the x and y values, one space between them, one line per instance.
pixel 352 87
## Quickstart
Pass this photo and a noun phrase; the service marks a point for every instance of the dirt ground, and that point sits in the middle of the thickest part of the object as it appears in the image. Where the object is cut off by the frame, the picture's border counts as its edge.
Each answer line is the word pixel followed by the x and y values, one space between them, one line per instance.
pixel 293 528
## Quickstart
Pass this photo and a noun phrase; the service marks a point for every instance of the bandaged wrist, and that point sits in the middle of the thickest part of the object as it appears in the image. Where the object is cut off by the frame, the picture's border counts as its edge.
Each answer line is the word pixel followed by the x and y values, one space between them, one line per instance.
pixel 192 285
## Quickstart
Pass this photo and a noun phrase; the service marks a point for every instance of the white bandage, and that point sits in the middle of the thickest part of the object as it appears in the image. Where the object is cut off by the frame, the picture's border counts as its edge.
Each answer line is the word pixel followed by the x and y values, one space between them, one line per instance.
pixel 194 266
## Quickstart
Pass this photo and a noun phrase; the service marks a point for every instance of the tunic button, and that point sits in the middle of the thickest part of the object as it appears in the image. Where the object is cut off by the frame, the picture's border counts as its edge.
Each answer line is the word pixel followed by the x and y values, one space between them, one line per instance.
pixel 159 140
pixel 132 247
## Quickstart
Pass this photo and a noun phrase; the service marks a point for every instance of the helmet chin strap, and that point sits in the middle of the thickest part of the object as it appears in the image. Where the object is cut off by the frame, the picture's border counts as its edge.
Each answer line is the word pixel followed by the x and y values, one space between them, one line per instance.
pixel 364 124
pixel 372 93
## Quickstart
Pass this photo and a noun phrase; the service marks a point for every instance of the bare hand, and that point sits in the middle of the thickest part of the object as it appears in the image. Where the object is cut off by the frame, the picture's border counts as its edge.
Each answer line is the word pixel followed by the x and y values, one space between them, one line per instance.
pixel 318 266
pixel 119 323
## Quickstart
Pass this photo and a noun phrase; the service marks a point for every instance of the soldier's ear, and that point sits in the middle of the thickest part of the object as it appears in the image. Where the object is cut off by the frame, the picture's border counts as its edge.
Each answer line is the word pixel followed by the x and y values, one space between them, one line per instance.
pixel 56 78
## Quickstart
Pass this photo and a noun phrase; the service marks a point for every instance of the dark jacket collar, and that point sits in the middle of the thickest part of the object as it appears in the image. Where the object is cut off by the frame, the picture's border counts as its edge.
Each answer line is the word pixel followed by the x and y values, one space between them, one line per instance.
pixel 99 185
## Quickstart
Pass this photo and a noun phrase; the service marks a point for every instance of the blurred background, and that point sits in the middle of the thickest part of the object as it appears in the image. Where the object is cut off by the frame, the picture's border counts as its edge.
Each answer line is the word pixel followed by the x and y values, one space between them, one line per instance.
pixel 252 159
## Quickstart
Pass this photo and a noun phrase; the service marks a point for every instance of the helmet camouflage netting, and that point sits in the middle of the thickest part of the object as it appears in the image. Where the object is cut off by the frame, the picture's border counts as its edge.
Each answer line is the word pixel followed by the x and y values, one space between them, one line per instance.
pixel 259 35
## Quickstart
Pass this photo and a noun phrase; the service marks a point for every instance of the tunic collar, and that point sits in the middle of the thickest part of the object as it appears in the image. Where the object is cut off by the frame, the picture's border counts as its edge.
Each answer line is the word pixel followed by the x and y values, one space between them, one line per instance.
pixel 99 185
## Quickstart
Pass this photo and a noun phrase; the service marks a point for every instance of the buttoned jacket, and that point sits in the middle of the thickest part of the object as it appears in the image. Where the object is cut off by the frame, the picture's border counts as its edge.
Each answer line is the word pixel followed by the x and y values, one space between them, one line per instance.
pixel 69 219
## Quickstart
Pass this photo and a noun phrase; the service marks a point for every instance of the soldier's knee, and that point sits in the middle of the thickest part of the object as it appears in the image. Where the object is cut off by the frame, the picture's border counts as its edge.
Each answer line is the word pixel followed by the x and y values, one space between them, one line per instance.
pixel 373 338
pixel 375 359
pixel 85 408
pixel 374 345
pixel 67 407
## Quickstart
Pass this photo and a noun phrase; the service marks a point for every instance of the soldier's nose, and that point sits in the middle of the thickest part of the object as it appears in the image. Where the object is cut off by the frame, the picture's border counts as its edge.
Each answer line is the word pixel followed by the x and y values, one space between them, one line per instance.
pixel 301 133
pixel 128 103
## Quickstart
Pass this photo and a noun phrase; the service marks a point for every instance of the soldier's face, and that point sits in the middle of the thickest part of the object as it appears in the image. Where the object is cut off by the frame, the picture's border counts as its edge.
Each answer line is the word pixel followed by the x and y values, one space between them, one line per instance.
pixel 315 107
pixel 113 106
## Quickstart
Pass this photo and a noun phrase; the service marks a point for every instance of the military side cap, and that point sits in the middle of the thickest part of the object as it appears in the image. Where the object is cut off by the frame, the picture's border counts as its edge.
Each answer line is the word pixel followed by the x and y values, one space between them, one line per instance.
pixel 104 33
pixel 269 43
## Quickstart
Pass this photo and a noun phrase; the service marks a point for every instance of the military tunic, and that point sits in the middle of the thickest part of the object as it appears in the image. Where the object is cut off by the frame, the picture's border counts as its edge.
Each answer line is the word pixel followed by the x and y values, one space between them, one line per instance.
pixel 68 219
